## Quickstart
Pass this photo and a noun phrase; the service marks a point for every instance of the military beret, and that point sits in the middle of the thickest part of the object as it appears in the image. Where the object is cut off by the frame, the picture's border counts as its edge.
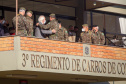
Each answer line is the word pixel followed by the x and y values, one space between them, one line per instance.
pixel 95 26
pixel 86 25
pixel 22 8
pixel 52 15
pixel 30 12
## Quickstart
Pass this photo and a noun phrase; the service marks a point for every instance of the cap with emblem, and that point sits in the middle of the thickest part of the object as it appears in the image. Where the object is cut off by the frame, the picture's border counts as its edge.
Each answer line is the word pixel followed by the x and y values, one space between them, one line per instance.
pixel 85 25
pixel 52 15
pixel 22 8
pixel 30 12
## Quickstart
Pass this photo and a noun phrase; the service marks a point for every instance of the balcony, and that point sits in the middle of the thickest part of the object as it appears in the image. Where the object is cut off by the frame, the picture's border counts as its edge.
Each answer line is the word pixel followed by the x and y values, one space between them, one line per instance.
pixel 42 59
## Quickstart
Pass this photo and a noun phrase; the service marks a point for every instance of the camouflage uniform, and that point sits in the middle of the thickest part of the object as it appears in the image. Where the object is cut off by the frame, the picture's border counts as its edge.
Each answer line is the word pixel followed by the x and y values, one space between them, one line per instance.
pixel 98 38
pixel 85 37
pixel 22 25
pixel 62 34
pixel 51 25
pixel 29 26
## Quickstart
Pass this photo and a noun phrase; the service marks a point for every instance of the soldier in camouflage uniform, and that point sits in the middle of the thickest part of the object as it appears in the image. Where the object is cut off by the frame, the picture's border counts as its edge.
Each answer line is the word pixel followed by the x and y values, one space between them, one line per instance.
pixel 30 23
pixel 22 22
pixel 85 36
pixel 62 33
pixel 97 36
pixel 53 24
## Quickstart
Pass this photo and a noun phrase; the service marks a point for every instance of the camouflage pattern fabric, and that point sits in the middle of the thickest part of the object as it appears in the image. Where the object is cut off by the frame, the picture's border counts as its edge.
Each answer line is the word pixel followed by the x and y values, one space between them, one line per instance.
pixel 51 25
pixel 98 38
pixel 85 37
pixel 62 34
pixel 22 25
pixel 29 26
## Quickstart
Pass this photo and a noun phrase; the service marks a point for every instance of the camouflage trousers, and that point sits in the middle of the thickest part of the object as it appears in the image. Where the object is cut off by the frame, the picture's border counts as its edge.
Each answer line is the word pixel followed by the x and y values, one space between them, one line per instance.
pixel 30 33
pixel 22 33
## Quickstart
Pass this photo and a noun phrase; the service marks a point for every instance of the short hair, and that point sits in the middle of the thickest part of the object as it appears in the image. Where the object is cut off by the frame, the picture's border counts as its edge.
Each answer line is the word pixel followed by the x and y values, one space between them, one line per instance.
pixel 52 15
pixel 28 13
pixel 41 18
pixel 95 26
pixel 21 10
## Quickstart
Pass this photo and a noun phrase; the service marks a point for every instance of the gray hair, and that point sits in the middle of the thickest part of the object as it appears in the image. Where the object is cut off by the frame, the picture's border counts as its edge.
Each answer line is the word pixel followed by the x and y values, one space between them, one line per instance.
pixel 41 18
pixel 21 10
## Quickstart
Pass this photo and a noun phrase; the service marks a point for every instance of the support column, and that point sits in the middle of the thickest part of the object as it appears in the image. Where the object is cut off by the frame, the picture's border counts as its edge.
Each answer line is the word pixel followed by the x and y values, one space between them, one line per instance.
pixel 81 15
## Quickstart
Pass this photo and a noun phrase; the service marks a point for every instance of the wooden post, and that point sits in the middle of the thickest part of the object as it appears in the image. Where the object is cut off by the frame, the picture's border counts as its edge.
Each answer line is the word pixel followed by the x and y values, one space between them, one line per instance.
pixel 16 17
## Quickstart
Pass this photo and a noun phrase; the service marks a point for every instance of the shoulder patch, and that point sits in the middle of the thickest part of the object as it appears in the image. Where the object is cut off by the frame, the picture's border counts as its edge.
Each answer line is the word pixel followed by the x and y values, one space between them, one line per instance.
pixel 66 32
pixel 102 33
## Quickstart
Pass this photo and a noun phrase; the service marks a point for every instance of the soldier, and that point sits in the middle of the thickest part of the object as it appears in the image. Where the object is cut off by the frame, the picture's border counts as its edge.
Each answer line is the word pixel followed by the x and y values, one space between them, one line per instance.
pixel 97 36
pixel 41 33
pixel 53 24
pixel 29 22
pixel 62 33
pixel 22 23
pixel 72 34
pixel 85 36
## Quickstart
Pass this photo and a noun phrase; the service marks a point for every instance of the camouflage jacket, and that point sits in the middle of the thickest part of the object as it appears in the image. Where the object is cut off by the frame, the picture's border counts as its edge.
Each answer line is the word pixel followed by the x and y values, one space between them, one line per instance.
pixel 29 26
pixel 85 37
pixel 22 25
pixel 98 38
pixel 62 34
pixel 51 25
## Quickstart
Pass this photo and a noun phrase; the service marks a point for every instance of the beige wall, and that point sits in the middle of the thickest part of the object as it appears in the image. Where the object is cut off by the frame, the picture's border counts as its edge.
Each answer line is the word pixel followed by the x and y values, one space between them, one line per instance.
pixel 117 82
pixel 122 2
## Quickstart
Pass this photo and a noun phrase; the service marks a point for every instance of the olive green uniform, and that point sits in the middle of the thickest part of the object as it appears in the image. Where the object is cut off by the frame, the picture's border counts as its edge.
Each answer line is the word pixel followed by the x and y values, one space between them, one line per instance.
pixel 98 38
pixel 30 25
pixel 62 34
pixel 51 25
pixel 22 25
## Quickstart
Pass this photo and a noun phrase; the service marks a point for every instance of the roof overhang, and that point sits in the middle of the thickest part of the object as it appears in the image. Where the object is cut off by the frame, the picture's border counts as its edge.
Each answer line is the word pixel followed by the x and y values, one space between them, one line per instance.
pixel 108 6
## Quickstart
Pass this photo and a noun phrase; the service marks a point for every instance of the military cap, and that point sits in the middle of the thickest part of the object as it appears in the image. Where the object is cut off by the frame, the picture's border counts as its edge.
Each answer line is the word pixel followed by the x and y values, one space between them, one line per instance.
pixel 95 26
pixel 22 8
pixel 86 25
pixel 30 12
pixel 52 15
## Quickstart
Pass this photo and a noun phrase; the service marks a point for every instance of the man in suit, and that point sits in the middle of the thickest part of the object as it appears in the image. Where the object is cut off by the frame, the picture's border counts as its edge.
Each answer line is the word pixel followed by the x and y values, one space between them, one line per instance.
pixel 39 32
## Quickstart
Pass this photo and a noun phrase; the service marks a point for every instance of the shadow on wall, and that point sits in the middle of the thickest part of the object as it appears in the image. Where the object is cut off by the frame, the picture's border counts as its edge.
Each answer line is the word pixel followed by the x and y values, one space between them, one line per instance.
pixel 100 83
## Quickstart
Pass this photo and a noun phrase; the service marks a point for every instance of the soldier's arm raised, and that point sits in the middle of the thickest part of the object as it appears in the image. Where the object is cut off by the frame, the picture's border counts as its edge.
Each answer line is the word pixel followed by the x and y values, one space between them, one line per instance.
pixel 45 26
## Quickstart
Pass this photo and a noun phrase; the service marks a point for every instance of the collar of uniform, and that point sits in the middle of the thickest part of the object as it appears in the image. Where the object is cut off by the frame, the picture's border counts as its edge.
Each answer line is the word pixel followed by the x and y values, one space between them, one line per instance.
pixel 28 16
pixel 86 32
pixel 53 19
pixel 61 28
pixel 20 15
